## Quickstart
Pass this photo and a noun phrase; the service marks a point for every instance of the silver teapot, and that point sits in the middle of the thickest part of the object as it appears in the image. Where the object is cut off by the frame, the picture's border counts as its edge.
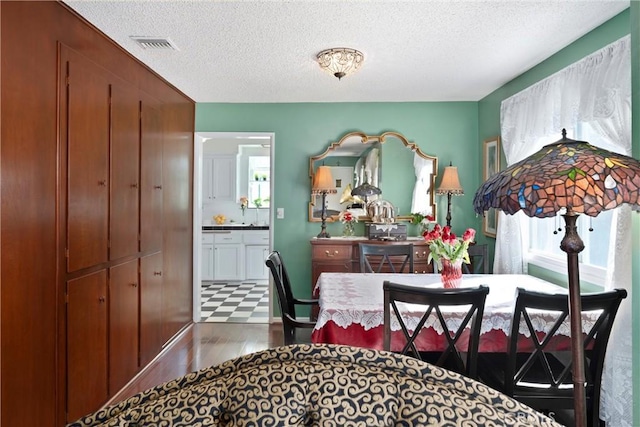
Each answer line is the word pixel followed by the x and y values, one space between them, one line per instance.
pixel 381 211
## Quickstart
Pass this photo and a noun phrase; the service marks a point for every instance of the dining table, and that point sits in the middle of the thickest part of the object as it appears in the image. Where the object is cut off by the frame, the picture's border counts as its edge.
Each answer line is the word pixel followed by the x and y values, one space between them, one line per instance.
pixel 351 312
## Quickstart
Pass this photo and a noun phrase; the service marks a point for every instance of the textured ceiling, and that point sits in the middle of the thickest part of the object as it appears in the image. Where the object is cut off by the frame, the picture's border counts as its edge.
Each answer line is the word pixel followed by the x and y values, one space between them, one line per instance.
pixel 264 51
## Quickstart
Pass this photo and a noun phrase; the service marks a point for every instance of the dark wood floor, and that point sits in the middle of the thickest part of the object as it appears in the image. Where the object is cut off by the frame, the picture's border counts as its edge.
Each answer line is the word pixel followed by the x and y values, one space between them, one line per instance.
pixel 202 345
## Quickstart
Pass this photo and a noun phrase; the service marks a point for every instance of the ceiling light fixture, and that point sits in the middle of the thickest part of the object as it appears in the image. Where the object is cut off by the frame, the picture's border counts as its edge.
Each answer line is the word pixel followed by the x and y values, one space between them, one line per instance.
pixel 340 61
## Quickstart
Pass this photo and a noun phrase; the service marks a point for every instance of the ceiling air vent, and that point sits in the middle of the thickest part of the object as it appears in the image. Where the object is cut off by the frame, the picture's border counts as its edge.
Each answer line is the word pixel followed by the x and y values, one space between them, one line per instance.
pixel 154 43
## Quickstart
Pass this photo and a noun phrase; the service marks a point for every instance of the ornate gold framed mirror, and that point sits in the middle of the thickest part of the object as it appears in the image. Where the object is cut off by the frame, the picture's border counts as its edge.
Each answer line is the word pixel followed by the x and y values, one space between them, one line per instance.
pixel 405 175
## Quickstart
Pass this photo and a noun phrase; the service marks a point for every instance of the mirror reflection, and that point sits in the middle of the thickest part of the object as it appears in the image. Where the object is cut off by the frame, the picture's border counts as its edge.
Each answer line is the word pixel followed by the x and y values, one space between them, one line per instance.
pixel 404 174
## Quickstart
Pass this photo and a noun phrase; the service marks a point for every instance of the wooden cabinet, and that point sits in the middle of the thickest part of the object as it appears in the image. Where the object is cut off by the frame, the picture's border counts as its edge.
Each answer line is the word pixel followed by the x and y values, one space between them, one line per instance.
pixel 87 351
pixel 151 340
pixel 151 191
pixel 343 256
pixel 124 331
pixel 125 171
pixel 71 162
pixel 219 178
pixel 87 106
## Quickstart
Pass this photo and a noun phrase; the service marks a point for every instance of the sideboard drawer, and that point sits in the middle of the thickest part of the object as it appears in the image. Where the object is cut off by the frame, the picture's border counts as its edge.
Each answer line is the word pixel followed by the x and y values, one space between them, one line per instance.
pixel 331 252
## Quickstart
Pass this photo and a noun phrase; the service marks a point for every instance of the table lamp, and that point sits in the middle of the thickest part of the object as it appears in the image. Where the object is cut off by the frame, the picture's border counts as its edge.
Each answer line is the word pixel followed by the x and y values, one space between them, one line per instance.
pixel 323 184
pixel 366 190
pixel 450 185
pixel 576 177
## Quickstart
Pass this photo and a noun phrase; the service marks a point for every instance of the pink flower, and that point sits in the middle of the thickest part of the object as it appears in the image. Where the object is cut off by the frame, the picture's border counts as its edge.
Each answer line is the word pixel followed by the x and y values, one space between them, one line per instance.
pixel 469 235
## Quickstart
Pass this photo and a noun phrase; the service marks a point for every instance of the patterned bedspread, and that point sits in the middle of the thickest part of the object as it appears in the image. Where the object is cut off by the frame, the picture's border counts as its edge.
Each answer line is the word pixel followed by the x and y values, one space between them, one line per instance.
pixel 319 385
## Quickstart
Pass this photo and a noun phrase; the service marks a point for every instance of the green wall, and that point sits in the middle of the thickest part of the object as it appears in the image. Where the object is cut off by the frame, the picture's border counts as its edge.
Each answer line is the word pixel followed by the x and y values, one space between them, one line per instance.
pixel 302 130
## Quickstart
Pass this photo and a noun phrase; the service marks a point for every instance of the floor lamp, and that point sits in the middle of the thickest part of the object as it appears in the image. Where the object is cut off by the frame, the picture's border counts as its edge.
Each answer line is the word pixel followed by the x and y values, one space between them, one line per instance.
pixel 323 184
pixel 450 185
pixel 577 178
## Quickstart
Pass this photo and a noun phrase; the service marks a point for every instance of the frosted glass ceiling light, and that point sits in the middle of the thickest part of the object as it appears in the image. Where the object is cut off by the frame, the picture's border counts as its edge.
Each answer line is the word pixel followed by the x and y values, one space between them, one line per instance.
pixel 340 61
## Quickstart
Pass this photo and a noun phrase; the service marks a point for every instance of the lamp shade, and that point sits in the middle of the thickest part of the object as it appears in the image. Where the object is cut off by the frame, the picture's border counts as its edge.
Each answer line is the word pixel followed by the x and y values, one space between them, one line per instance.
pixel 450 183
pixel 366 190
pixel 567 174
pixel 322 180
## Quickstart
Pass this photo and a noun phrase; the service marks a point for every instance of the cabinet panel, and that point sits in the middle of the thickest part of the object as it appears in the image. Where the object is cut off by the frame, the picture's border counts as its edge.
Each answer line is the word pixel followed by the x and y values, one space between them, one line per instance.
pixel 219 178
pixel 228 261
pixel 123 324
pixel 87 142
pixel 150 307
pixel 86 344
pixel 150 177
pixel 206 264
pixel 255 256
pixel 125 151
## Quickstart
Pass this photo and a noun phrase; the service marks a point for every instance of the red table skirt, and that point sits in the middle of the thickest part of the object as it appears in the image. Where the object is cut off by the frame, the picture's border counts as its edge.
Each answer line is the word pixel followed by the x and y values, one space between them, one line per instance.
pixel 428 340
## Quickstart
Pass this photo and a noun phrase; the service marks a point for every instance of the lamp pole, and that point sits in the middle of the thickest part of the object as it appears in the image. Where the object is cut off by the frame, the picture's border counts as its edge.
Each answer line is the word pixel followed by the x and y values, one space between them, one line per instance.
pixel 323 230
pixel 572 244
pixel 448 209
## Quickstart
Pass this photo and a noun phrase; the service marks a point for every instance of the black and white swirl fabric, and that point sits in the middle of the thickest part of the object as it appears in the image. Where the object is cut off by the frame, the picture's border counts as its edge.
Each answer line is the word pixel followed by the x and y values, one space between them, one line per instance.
pixel 319 385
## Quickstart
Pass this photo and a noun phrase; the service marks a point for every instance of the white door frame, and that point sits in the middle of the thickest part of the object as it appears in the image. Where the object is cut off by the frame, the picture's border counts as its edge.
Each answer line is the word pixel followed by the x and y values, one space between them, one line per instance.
pixel 198 140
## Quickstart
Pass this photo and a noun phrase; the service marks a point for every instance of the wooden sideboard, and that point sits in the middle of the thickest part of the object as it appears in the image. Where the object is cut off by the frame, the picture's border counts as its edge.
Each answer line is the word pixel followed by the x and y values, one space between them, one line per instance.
pixel 342 255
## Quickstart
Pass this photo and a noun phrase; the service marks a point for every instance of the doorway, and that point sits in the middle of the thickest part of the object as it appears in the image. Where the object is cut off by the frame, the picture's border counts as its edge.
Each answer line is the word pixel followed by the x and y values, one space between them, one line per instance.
pixel 239 292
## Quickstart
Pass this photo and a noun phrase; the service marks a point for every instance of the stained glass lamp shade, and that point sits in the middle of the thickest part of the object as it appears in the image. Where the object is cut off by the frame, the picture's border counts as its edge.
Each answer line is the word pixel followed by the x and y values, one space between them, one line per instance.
pixel 577 178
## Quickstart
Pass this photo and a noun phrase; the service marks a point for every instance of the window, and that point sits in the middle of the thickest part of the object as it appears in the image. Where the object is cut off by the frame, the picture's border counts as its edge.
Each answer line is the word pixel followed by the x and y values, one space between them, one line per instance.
pixel 545 234
pixel 259 193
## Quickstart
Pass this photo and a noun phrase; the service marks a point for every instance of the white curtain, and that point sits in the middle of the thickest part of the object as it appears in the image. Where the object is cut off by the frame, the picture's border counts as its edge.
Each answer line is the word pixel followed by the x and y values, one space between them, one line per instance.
pixel 595 90
pixel 420 202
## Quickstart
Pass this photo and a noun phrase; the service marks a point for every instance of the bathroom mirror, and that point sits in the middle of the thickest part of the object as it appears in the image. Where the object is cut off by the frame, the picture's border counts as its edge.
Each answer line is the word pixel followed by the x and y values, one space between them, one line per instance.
pixel 388 161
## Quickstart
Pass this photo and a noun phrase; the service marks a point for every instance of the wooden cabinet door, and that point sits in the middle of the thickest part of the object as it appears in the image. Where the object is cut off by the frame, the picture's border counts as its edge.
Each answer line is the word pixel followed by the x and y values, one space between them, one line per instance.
pixel 150 177
pixel 150 307
pixel 87 142
pixel 86 344
pixel 123 324
pixel 125 152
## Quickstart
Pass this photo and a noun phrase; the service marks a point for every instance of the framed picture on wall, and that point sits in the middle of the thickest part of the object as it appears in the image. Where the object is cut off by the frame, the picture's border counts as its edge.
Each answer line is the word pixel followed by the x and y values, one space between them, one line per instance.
pixel 490 166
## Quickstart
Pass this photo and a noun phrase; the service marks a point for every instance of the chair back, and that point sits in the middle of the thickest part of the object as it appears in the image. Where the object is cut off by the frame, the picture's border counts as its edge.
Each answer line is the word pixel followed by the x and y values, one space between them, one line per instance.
pixel 286 300
pixel 479 256
pixel 432 300
pixel 281 280
pixel 546 367
pixel 386 258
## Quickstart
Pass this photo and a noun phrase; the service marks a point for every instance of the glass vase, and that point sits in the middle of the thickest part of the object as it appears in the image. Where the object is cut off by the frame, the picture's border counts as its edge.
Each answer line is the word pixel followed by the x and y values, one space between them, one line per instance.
pixel 451 273
pixel 348 229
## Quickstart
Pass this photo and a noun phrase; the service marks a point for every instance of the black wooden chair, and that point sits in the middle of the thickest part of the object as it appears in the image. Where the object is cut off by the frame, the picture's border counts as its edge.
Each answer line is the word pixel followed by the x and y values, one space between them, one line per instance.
pixel 479 256
pixel 288 303
pixel 542 378
pixel 386 258
pixel 433 299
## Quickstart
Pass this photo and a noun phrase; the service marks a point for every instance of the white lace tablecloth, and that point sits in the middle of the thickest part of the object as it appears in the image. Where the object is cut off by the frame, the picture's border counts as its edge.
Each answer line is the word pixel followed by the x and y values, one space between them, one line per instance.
pixel 357 298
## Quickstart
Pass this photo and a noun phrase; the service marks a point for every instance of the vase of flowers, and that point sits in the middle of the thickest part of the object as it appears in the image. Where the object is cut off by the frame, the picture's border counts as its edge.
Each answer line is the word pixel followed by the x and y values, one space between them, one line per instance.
pixel 244 202
pixel 348 220
pixel 449 252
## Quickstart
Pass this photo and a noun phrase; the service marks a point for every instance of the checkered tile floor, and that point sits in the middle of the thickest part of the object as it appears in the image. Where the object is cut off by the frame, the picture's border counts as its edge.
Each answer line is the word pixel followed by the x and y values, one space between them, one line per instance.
pixel 243 302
